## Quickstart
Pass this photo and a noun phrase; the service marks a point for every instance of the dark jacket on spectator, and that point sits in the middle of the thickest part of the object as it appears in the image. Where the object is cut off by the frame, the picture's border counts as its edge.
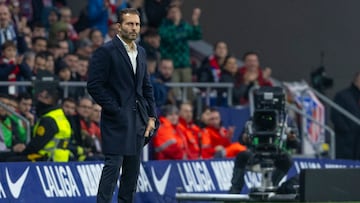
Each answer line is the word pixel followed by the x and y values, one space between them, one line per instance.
pixel 347 132
pixel 22 72
pixel 227 77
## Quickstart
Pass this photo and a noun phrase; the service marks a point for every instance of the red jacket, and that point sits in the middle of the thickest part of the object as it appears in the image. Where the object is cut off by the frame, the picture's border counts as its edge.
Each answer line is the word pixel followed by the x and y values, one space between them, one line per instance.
pixel 169 144
pixel 192 133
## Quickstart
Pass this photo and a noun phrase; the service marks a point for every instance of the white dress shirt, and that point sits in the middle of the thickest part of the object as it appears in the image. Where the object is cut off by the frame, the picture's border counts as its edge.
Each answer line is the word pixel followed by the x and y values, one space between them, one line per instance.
pixel 132 53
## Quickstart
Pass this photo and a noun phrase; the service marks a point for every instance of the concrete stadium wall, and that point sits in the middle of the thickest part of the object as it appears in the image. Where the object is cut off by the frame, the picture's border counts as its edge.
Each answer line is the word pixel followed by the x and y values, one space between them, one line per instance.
pixel 289 34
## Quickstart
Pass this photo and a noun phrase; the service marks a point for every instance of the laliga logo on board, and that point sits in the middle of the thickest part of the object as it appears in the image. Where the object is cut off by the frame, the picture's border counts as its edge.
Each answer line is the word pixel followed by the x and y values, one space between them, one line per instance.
pixel 195 177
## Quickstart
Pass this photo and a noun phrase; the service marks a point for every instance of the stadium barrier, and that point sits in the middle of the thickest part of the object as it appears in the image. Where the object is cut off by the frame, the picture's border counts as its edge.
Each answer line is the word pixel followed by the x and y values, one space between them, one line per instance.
pixel 159 181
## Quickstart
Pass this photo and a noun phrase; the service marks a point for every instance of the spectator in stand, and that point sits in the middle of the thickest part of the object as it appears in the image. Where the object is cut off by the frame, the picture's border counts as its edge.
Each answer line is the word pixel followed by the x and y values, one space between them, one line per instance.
pixel 96 114
pixel 11 68
pixel 83 67
pixel 210 70
pixel 175 34
pixel 96 39
pixel 84 48
pixel 14 105
pixel 39 44
pixel 230 74
pixel 25 103
pixel 50 63
pixel 72 61
pixel 29 60
pixel 216 139
pixel 9 32
pixel 27 37
pixel 40 63
pixel 111 32
pixel 38 30
pixel 156 11
pixel 10 139
pixel 251 74
pixel 348 132
pixel 164 75
pixel 65 16
pixel 98 15
pixel 52 17
pixel 59 32
pixel 63 72
pixel 90 132
pixel 151 43
pixel 169 144
pixel 191 131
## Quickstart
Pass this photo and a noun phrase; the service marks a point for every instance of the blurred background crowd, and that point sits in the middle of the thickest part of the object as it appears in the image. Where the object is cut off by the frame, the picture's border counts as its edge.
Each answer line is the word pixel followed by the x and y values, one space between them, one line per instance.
pixel 42 41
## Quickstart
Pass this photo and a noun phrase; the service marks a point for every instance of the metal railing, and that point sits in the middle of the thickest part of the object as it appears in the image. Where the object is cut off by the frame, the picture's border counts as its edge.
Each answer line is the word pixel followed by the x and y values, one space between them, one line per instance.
pixel 26 121
pixel 184 86
pixel 327 128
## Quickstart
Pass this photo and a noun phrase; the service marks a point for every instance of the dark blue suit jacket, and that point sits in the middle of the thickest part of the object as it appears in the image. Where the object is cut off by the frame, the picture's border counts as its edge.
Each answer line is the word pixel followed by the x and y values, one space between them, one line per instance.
pixel 113 85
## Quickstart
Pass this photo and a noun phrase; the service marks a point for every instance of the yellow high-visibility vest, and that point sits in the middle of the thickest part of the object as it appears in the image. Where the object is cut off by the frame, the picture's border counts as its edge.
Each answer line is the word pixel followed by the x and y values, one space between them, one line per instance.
pixel 57 148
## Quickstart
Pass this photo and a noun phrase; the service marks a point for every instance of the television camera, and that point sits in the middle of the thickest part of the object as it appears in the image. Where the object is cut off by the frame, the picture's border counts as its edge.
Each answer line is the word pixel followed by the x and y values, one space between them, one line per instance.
pixel 267 131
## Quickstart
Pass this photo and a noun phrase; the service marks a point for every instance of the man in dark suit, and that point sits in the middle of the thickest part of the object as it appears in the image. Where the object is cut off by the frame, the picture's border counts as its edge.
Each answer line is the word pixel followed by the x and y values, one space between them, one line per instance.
pixel 119 82
pixel 348 132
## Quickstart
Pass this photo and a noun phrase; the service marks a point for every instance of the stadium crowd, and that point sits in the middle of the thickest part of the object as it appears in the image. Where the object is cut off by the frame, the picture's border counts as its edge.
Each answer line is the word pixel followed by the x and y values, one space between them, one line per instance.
pixel 41 39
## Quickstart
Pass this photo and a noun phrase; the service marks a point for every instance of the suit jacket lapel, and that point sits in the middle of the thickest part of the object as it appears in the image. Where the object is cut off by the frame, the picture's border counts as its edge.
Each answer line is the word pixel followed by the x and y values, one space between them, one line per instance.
pixel 123 52
pixel 139 61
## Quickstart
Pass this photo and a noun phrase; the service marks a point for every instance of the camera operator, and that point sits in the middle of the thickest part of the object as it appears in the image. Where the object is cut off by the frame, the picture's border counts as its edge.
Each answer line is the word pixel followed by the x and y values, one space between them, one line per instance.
pixel 282 160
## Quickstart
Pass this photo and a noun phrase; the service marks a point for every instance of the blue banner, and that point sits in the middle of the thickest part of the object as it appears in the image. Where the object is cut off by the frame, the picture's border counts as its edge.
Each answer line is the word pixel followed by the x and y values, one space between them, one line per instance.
pixel 158 180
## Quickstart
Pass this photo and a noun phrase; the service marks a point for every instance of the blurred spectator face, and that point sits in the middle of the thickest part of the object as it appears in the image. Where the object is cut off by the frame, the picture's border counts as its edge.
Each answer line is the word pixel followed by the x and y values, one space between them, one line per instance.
pixel 72 61
pixel 65 74
pixel 174 14
pixel 25 106
pixel 39 32
pixel 53 17
pixel 61 35
pixel 4 16
pixel 69 108
pixel 13 104
pixel 39 45
pixel 30 61
pixel 27 36
pixel 166 68
pixel 205 116
pixel 83 68
pixel 186 112
pixel 10 53
pixel 63 48
pixel 214 119
pixel 173 118
pixel 97 39
pixel 113 29
pixel 5 101
pixel 252 62
pixel 221 50
pixel 231 65
pixel 65 15
pixel 151 66
pixel 153 40
pixel 85 108
pixel 50 64
pixel 40 63
pixel 96 114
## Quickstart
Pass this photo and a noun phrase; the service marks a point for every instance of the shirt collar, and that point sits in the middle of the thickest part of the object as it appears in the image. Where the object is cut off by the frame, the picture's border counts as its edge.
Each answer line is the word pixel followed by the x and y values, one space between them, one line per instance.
pixel 127 47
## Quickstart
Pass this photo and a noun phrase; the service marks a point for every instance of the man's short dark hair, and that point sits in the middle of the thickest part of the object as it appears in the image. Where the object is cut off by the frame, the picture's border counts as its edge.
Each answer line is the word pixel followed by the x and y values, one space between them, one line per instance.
pixel 169 109
pixel 37 24
pixel 127 11
pixel 23 96
pixel 8 44
pixel 35 39
pixel 42 54
pixel 68 99
pixel 250 53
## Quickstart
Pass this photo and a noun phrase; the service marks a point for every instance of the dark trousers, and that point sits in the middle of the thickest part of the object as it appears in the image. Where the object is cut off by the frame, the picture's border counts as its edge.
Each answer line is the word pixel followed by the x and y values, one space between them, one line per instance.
pixel 130 171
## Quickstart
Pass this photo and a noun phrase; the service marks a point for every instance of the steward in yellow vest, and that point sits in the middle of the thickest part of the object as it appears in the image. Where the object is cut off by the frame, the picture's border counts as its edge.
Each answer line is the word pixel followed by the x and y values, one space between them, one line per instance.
pixel 51 133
